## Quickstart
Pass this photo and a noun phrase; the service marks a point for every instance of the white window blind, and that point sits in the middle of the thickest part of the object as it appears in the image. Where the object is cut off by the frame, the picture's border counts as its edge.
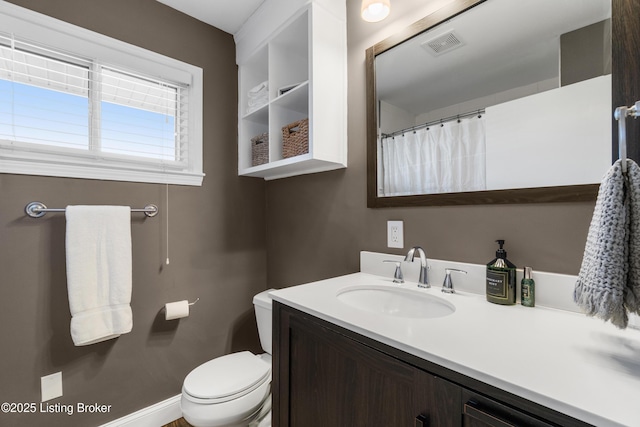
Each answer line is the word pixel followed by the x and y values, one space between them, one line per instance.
pixel 56 100
pixel 74 110
pixel 43 96
pixel 142 117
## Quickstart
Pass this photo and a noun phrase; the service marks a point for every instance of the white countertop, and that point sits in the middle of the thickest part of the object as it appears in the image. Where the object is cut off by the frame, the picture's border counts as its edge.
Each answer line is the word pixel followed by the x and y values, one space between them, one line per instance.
pixel 568 362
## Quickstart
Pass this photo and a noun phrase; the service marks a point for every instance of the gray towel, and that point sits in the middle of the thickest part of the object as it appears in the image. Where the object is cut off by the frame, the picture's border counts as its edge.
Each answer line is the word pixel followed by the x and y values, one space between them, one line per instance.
pixel 632 290
pixel 609 280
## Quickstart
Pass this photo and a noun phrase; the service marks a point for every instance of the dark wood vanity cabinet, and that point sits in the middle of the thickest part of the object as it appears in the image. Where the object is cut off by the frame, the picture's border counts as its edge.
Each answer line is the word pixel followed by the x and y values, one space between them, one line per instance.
pixel 327 376
pixel 331 380
pixel 480 411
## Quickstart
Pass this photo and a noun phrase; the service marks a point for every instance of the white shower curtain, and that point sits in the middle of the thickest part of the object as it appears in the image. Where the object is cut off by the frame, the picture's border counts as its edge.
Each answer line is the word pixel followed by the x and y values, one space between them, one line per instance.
pixel 440 159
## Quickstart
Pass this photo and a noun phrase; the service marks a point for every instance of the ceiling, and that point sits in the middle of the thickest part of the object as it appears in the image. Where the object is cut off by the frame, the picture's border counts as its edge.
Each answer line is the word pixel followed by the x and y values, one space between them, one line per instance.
pixel 507 44
pixel 227 15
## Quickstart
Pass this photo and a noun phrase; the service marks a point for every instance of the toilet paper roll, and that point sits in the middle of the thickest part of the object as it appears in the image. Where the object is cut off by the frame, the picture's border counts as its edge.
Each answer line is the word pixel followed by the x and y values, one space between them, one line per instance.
pixel 176 310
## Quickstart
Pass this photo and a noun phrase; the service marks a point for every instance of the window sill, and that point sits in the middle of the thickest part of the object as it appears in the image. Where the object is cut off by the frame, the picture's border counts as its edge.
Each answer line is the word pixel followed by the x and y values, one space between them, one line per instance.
pixel 111 172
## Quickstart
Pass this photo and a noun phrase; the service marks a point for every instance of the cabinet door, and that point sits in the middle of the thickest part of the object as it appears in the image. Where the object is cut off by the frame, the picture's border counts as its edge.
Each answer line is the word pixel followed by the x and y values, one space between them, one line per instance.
pixel 479 411
pixel 328 379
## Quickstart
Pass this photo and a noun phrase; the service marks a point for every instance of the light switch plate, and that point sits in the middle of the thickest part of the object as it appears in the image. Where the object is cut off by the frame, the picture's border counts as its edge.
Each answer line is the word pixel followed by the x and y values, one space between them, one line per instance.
pixel 395 234
pixel 51 386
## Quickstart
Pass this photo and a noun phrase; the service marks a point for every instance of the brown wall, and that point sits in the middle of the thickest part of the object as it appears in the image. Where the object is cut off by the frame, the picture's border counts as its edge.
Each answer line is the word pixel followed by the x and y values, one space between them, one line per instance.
pixel 585 53
pixel 217 246
pixel 317 224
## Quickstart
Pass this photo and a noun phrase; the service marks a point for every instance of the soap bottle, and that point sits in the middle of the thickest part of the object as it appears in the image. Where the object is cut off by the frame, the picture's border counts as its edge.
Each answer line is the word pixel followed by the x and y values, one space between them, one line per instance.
pixel 501 278
pixel 528 289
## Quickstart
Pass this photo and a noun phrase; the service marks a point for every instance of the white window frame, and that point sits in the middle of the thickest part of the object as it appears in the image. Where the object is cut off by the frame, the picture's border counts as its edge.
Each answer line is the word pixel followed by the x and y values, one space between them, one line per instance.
pixel 42 29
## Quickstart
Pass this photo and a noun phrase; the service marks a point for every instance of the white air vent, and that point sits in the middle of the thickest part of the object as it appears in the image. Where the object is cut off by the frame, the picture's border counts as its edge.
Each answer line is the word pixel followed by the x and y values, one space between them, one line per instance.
pixel 443 43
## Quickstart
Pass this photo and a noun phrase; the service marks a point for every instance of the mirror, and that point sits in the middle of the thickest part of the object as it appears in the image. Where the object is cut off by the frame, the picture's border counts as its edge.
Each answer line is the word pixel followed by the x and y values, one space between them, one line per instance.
pixel 492 101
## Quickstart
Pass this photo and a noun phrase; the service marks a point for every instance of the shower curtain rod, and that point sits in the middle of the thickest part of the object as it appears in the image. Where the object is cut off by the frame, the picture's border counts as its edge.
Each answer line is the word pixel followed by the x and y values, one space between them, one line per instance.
pixel 39 209
pixel 434 122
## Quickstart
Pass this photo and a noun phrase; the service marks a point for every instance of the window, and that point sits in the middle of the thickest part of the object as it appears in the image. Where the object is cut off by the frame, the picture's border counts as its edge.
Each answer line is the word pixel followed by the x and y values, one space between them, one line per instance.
pixel 97 108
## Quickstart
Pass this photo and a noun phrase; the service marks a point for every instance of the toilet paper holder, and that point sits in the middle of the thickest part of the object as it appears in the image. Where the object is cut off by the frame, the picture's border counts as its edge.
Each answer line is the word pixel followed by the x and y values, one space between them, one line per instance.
pixel 189 303
pixel 178 309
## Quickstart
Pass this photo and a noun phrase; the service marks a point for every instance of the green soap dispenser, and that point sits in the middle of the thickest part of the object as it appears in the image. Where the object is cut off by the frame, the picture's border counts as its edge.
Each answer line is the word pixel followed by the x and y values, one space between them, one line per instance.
pixel 528 289
pixel 501 278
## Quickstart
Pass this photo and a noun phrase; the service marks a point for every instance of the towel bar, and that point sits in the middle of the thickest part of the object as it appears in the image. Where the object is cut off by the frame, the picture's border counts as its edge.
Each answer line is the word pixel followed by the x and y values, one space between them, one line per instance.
pixel 39 209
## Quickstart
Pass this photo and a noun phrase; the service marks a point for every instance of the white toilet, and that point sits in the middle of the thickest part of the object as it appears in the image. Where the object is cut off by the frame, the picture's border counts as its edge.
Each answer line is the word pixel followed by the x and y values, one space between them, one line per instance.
pixel 233 390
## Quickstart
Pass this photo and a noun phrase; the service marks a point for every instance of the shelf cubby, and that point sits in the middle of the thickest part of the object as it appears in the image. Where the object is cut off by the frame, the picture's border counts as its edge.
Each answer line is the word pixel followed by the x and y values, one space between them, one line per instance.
pixel 296 72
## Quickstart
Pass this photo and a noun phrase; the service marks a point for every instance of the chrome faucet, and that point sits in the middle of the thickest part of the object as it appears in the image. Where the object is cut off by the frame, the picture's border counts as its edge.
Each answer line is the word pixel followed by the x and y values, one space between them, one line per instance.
pixel 423 280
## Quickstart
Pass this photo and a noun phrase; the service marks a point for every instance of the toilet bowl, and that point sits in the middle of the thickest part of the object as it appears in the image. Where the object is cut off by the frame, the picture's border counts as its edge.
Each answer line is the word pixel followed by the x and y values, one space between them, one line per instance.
pixel 233 390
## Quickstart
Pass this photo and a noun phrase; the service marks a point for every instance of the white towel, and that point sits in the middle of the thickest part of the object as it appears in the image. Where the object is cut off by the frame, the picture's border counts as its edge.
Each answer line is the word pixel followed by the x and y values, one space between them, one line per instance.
pixel 98 246
pixel 258 101
pixel 608 284
pixel 261 87
pixel 263 93
pixel 257 104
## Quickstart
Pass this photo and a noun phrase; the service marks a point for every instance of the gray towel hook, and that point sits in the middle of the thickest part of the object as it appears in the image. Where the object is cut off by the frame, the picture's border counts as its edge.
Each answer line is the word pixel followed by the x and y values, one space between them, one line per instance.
pixel 621 115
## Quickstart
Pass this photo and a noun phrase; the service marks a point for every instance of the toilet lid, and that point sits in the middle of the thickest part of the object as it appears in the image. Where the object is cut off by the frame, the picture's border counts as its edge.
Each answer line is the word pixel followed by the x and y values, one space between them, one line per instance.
pixel 226 376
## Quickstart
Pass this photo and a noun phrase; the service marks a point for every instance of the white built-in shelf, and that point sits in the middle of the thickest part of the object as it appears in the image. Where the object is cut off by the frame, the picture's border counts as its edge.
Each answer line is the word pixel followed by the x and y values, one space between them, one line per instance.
pixel 306 52
pixel 295 99
pixel 259 115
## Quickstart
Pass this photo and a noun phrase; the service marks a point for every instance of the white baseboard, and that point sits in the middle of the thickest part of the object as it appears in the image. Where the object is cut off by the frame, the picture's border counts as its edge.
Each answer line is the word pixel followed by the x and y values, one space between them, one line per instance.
pixel 155 415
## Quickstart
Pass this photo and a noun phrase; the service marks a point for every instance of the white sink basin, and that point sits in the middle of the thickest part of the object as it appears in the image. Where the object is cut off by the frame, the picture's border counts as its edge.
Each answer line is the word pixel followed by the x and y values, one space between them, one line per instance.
pixel 398 302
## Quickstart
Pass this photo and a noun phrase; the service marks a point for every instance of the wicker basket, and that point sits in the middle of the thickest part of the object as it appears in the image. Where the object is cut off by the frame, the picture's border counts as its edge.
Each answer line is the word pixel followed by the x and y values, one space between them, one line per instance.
pixel 295 138
pixel 260 149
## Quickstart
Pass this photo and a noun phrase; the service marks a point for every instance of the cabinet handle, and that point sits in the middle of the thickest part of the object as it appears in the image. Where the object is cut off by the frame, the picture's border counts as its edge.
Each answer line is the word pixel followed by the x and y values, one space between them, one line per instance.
pixel 486 417
pixel 421 421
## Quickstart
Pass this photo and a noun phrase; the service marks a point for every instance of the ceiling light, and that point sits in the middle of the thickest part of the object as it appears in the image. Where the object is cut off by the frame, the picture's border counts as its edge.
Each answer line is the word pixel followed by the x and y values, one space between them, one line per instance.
pixel 375 10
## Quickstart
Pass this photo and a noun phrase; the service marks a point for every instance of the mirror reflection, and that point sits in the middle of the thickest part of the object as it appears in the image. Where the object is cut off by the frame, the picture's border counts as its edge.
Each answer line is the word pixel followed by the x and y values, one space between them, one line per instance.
pixel 509 94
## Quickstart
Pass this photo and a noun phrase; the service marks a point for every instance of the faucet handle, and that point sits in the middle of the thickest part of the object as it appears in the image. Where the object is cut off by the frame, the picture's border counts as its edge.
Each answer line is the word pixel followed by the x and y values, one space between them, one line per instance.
pixel 397 275
pixel 447 286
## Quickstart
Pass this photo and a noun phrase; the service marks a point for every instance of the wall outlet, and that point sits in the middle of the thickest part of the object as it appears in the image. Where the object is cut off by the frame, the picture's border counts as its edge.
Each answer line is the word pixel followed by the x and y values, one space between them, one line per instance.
pixel 395 234
pixel 51 386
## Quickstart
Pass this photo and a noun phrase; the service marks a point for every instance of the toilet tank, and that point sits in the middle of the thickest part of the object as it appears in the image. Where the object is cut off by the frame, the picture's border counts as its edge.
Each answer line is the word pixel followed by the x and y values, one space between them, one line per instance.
pixel 262 303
